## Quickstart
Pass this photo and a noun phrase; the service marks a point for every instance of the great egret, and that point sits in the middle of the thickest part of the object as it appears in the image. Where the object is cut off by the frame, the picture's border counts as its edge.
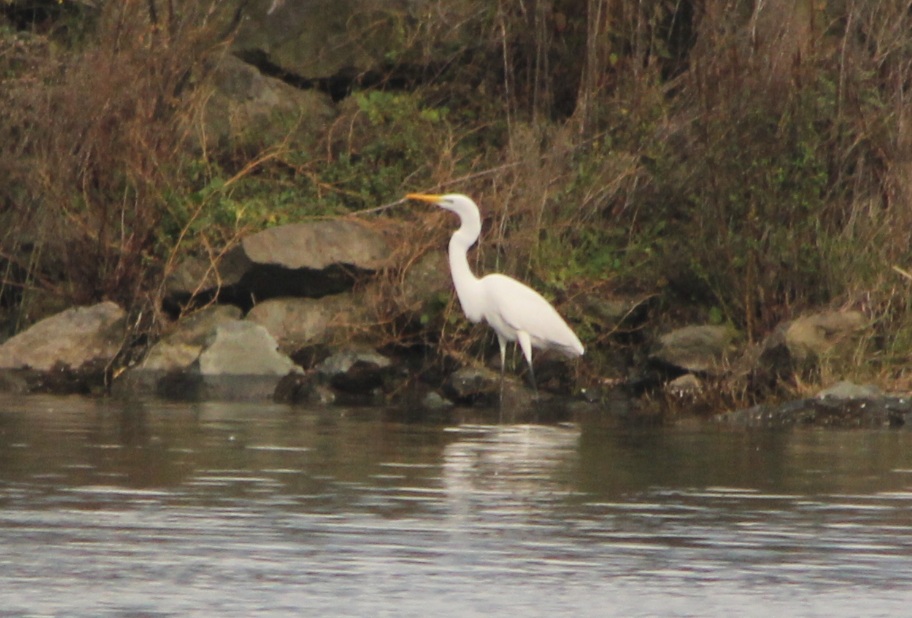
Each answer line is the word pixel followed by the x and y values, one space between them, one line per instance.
pixel 515 311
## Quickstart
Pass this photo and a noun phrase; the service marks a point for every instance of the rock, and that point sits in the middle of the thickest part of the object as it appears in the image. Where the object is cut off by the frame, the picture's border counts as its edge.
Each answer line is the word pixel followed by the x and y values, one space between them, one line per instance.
pixel 313 260
pixel 521 399
pixel 180 348
pixel 356 372
pixel 615 312
pixel 329 45
pixel 472 384
pixel 13 382
pixel 72 339
pixel 701 349
pixel 798 345
pixel 434 401
pixel 243 348
pixel 425 281
pixel 481 386
pixel 251 111
pixel 299 322
pixel 348 376
pixel 242 362
pixel 828 412
pixel 239 362
pixel 159 373
pixel 306 388
pixel 818 334
pixel 687 385
pixel 318 245
pixel 850 390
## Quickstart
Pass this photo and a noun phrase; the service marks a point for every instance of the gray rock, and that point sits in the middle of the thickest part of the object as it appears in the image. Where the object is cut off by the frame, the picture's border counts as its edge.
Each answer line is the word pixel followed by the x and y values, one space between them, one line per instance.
pixel 356 371
pixel 434 401
pixel 299 322
pixel 687 385
pixel 702 349
pixel 76 338
pixel 318 245
pixel 163 371
pixel 521 399
pixel 307 388
pixel 799 344
pixel 240 362
pixel 828 412
pixel 818 334
pixel 311 260
pixel 179 349
pixel 850 390
pixel 425 281
pixel 470 384
pixel 616 312
pixel 481 386
pixel 243 348
pixel 251 111
pixel 325 41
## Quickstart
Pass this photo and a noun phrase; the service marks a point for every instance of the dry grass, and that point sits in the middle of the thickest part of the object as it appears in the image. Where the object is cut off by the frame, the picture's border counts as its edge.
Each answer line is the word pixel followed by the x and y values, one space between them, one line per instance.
pixel 94 144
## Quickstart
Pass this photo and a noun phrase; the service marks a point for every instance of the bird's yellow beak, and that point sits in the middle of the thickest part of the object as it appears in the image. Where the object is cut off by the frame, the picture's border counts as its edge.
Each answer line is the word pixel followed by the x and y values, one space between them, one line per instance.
pixel 424 197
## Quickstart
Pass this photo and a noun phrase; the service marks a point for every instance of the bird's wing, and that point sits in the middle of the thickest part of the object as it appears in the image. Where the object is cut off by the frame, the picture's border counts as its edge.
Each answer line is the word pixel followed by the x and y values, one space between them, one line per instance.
pixel 523 309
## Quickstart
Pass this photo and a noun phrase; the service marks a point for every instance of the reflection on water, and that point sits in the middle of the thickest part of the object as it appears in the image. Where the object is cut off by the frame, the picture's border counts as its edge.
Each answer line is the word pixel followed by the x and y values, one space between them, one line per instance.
pixel 162 509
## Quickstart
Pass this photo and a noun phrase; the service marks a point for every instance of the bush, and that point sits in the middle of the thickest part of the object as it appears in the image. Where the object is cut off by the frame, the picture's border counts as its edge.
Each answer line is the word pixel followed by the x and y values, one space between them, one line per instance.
pixel 776 181
pixel 92 141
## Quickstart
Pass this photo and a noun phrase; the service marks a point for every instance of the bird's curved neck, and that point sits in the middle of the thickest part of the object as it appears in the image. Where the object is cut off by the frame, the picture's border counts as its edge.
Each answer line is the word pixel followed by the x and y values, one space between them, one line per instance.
pixel 464 279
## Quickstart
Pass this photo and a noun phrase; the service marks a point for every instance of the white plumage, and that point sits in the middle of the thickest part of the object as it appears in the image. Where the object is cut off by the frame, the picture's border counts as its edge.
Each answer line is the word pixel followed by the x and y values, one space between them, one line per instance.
pixel 515 311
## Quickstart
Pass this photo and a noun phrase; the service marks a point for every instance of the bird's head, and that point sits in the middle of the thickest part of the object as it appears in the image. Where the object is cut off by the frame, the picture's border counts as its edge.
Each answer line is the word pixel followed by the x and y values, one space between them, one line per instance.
pixel 461 204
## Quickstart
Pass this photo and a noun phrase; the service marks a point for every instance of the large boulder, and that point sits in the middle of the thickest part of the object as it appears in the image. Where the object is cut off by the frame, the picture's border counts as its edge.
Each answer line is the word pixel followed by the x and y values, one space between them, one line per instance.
pixel 472 384
pixel 482 386
pixel 243 348
pixel 68 352
pixel 241 362
pixel 299 322
pixel 801 343
pixel 312 259
pixel 329 44
pixel 71 339
pixel 162 369
pixel 695 349
pixel 614 312
pixel 819 334
pixel 251 111
pixel 424 282
pixel 211 356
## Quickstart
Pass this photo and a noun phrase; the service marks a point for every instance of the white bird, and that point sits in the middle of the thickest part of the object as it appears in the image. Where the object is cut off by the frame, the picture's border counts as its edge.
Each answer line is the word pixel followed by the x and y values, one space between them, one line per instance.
pixel 515 311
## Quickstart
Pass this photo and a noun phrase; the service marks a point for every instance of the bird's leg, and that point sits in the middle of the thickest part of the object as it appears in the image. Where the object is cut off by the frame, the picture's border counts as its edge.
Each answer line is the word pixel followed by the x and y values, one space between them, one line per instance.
pixel 503 363
pixel 525 343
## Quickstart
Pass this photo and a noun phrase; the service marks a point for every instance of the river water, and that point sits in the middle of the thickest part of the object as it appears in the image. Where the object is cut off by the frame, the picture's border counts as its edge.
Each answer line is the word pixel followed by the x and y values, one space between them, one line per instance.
pixel 160 509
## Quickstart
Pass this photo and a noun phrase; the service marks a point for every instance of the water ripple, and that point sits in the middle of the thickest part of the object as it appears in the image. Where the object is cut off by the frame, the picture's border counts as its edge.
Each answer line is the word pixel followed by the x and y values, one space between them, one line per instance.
pixel 278 512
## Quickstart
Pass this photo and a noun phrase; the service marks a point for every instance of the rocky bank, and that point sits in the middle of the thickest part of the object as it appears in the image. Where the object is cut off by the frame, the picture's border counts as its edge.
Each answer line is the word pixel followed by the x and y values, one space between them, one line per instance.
pixel 287 315
pixel 290 313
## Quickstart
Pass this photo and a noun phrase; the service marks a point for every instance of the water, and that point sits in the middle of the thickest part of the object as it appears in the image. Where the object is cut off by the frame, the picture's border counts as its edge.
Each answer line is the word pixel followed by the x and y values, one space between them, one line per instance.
pixel 108 509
